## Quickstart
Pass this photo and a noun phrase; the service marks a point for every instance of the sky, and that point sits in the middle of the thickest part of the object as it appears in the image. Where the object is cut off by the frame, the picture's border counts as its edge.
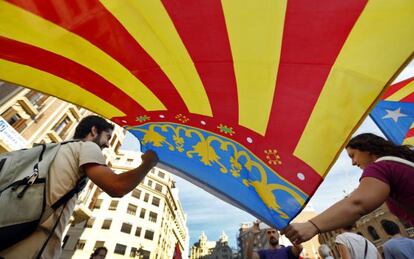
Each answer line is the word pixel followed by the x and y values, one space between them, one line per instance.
pixel 207 213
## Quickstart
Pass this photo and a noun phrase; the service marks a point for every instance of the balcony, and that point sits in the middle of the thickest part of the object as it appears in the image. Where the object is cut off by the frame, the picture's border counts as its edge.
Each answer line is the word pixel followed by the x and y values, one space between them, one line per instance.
pixel 54 137
pixel 81 213
pixel 28 107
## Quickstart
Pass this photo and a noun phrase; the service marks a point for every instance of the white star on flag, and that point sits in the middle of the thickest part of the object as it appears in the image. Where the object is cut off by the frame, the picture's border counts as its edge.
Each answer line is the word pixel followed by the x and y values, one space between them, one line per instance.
pixel 394 115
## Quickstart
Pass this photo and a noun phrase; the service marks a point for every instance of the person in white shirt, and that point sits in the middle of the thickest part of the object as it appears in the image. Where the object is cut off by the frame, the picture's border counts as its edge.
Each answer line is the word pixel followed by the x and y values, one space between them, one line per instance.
pixel 325 252
pixel 354 246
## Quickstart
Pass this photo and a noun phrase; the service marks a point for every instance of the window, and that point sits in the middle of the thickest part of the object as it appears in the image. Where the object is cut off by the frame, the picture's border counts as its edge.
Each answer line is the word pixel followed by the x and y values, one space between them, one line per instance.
pixel 161 174
pixel 36 99
pixel 107 224
pixel 142 214
pixel 132 209
pixel 138 231
pixel 149 183
pixel 149 235
pixel 14 119
pixel 62 127
pixel 126 228
pixel 156 201
pixel 120 249
pixel 81 244
pixel 133 252
pixel 158 187
pixel 97 204
pixel 99 244
pixel 129 161
pixel 146 197
pixel 373 233
pixel 90 222
pixel 153 216
pixel 113 205
pixel 136 193
pixel 145 254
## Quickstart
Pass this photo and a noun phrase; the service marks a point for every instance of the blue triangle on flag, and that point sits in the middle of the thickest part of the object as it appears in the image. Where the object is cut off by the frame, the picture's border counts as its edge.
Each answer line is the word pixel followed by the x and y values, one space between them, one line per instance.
pixel 394 119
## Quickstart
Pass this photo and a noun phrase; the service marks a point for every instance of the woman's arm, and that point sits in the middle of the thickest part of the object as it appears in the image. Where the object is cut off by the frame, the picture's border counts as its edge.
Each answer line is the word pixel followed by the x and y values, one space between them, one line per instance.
pixel 369 195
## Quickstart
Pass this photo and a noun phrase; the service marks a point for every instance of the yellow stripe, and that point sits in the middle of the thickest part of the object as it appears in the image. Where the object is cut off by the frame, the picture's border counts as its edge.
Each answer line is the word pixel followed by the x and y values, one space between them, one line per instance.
pixel 23 26
pixel 255 38
pixel 402 93
pixel 148 22
pixel 380 42
pixel 408 141
pixel 56 86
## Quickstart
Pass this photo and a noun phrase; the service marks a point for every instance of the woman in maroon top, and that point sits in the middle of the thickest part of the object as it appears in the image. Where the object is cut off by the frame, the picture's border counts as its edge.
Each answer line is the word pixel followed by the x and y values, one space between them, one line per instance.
pixel 388 176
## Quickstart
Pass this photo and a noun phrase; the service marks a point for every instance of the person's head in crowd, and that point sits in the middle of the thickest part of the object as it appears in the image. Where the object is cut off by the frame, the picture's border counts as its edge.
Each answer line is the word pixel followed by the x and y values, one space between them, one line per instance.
pixel 273 237
pixel 99 253
pixel 391 228
pixel 324 251
pixel 96 129
pixel 365 148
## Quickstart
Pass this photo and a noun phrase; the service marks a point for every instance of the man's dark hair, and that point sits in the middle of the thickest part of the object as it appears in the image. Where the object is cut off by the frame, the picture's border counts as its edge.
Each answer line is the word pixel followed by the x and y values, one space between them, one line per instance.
pixel 86 124
pixel 391 228
pixel 380 147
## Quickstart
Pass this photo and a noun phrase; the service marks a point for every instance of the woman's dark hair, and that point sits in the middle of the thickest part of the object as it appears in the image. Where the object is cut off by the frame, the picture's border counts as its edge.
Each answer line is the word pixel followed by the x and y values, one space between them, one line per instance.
pixel 380 147
pixel 97 250
pixel 391 228
pixel 86 124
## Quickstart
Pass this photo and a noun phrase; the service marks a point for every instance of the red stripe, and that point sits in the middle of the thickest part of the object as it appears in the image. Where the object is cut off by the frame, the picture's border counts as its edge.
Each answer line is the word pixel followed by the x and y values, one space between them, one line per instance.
pixel 67 69
pixel 202 28
pixel 90 20
pixel 410 133
pixel 312 39
pixel 396 87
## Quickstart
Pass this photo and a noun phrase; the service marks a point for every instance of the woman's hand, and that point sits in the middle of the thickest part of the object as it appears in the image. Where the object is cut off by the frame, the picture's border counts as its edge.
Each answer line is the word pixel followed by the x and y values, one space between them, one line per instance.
pixel 300 232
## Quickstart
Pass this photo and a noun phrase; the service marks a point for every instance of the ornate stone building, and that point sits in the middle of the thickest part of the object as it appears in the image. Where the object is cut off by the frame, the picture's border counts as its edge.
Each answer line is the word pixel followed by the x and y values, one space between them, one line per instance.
pixel 370 227
pixel 205 249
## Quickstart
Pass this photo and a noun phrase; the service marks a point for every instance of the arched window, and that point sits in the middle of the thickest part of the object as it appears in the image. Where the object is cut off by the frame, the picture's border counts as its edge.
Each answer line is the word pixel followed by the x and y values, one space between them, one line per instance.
pixel 373 233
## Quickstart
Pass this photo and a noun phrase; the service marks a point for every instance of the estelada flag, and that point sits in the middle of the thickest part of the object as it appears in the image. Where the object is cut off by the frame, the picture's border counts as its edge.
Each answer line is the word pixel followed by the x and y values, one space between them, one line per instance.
pixel 394 114
pixel 251 100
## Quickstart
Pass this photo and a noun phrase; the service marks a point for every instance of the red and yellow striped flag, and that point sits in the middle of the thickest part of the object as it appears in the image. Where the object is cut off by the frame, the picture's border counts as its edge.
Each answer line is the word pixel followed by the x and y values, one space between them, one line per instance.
pixel 252 100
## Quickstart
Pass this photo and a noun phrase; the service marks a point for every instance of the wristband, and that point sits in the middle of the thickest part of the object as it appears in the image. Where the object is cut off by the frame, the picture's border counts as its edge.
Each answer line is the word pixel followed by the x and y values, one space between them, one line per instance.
pixel 319 230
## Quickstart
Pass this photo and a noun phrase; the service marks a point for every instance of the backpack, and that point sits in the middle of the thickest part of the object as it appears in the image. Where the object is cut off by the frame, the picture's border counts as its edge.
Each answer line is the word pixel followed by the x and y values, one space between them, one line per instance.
pixel 23 187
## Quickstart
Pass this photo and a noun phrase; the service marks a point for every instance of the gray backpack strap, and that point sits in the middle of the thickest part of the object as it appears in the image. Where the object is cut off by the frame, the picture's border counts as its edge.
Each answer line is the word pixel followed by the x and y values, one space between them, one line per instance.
pixel 63 200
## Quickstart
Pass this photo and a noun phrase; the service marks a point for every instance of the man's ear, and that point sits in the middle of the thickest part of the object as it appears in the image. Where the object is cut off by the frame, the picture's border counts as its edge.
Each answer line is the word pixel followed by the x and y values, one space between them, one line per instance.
pixel 94 131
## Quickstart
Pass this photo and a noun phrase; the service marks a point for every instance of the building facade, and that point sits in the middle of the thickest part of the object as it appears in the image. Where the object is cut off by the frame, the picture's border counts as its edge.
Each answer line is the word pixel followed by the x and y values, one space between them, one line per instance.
pixel 222 249
pixel 28 117
pixel 205 249
pixel 370 227
pixel 147 223
pixel 202 248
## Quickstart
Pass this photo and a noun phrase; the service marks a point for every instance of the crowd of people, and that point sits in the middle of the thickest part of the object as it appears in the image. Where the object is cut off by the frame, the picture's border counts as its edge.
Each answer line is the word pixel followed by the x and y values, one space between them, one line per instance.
pixel 388 176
